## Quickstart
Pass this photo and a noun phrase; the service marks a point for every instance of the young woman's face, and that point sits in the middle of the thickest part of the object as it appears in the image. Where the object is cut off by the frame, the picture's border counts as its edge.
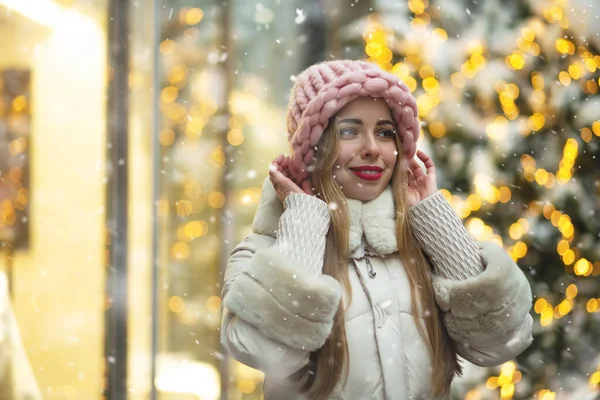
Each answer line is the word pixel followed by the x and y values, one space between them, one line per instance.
pixel 367 151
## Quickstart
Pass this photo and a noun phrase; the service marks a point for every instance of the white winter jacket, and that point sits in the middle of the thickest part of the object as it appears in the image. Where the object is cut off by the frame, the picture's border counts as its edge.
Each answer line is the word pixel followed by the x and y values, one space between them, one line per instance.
pixel 278 306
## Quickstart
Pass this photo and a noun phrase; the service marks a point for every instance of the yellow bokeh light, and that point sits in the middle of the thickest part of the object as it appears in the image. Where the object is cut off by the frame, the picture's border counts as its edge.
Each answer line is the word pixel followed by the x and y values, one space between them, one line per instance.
pixel 235 137
pixel 534 49
pixel 528 34
pixel 562 247
pixel 213 303
pixel 596 128
pixel 575 71
pixel 540 305
pixel 520 249
pixel 196 229
pixel 595 379
pixel 571 291
pixel 541 176
pixel 583 267
pixel 19 104
pixel 586 134
pixel 401 70
pixel 17 146
pixel 516 61
pixel 176 304
pixel 474 202
pixel 476 226
pixel 411 83
pixel 546 394
pixel 246 386
pixel 373 49
pixel 437 129
pixel 590 65
pixel 416 6
pixel 591 86
pixel 507 391
pixel 184 208
pixel 440 34
pixel 166 137
pixel 430 84
pixel 537 80
pixel 562 45
pixel 536 122
pixel 180 251
pixel 458 80
pixel 508 368
pixel 516 231
pixel 178 74
pixel 498 129
pixel 556 13
pixel 475 47
pixel 176 112
pixel 193 16
pixel 167 47
pixel 565 307
pixel 512 90
pixel 528 163
pixel 217 157
pixel 564 78
pixel 568 257
pixel 194 126
pixel 492 383
pixel 547 317
pixel 216 200
pixel 385 56
pixel 592 305
pixel 418 24
pixel 571 149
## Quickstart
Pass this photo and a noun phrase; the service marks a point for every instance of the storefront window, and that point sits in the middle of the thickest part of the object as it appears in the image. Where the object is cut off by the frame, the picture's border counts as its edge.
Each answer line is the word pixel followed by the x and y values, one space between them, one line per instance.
pixel 222 110
pixel 52 199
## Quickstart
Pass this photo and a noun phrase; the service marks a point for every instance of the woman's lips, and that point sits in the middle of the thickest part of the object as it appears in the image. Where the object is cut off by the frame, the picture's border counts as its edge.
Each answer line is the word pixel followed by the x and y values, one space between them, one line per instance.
pixel 367 176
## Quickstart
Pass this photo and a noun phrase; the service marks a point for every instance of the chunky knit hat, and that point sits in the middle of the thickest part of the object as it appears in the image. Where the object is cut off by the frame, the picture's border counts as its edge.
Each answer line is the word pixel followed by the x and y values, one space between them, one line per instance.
pixel 323 89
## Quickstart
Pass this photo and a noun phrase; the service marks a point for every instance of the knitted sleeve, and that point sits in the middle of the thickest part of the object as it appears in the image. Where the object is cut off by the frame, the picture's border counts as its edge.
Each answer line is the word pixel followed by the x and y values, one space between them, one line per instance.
pixel 302 229
pixel 443 237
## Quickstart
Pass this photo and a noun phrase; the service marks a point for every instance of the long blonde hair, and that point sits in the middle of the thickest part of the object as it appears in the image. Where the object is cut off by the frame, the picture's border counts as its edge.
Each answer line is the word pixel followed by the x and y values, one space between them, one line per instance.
pixel 328 365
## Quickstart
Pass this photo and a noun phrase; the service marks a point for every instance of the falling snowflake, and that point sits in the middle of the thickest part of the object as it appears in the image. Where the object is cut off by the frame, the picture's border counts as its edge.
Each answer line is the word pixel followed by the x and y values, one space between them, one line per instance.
pixel 300 16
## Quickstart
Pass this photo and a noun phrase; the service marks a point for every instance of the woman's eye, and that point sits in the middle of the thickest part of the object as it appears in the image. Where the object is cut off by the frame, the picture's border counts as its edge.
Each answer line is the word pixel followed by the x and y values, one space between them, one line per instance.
pixel 347 131
pixel 387 133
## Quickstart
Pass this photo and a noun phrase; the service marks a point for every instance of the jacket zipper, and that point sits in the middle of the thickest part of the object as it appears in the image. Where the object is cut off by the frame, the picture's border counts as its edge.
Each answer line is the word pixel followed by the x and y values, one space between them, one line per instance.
pixel 372 273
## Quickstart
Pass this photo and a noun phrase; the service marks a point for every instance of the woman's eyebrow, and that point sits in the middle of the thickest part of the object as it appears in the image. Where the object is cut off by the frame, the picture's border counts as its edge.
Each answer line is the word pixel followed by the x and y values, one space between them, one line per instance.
pixel 354 121
pixel 357 121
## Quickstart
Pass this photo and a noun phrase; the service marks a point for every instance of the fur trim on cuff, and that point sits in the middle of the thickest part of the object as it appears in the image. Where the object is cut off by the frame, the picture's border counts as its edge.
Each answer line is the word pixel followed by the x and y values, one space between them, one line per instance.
pixel 490 304
pixel 285 302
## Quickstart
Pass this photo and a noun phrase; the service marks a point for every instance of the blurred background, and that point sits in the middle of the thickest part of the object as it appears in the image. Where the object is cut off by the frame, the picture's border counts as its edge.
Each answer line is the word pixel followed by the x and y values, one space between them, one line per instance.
pixel 135 136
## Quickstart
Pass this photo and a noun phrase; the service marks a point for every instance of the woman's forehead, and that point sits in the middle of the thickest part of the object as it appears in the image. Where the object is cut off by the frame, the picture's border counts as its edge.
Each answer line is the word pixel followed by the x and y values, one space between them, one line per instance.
pixel 365 108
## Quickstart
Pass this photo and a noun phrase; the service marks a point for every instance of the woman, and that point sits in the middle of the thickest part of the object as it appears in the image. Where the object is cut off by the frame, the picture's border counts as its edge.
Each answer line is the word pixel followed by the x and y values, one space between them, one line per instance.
pixel 359 281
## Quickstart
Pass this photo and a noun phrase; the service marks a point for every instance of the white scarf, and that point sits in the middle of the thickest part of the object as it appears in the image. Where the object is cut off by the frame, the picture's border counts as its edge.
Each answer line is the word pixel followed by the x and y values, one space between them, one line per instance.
pixel 372 223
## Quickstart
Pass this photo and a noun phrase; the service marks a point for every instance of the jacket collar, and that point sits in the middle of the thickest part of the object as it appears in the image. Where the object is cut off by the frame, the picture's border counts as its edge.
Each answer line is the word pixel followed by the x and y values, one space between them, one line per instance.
pixel 372 223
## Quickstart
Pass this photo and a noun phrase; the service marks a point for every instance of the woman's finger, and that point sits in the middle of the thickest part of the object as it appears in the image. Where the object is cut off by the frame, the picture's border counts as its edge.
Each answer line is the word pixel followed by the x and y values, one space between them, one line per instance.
pixel 427 161
pixel 416 168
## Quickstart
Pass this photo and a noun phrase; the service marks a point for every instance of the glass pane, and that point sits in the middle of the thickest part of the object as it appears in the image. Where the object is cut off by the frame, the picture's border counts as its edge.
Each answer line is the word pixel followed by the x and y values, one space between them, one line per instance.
pixel 222 110
pixel 141 204
pixel 52 149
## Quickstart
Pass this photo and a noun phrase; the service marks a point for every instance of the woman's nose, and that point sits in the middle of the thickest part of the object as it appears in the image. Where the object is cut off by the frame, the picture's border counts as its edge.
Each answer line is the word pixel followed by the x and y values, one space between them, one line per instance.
pixel 370 147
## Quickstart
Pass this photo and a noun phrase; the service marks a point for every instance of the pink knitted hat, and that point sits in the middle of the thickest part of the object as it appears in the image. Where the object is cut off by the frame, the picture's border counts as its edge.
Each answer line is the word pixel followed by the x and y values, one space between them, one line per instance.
pixel 323 89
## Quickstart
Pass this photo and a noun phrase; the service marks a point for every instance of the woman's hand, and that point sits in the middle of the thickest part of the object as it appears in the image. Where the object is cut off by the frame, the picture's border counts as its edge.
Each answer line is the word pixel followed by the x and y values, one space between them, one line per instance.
pixel 280 178
pixel 421 183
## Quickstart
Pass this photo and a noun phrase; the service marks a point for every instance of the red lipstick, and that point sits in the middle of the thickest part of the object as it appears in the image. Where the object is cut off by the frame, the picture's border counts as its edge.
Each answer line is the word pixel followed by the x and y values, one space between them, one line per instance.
pixel 368 172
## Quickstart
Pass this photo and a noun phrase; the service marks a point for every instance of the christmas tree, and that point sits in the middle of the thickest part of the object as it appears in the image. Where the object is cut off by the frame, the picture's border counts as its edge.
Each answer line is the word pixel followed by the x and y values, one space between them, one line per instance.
pixel 507 99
